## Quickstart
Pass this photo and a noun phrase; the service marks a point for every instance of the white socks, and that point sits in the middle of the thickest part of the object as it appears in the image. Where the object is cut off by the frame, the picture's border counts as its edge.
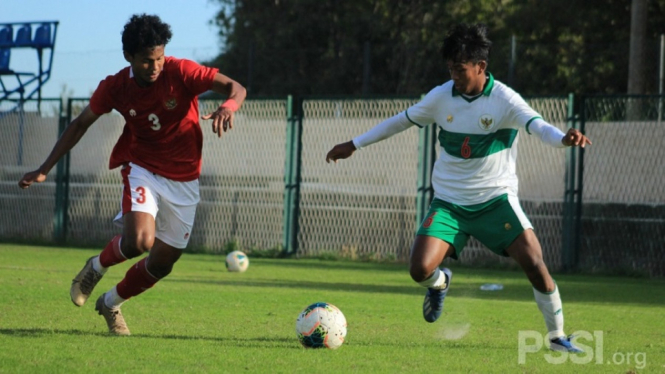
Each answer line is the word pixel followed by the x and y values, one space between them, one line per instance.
pixel 112 300
pixel 437 281
pixel 552 310
pixel 97 266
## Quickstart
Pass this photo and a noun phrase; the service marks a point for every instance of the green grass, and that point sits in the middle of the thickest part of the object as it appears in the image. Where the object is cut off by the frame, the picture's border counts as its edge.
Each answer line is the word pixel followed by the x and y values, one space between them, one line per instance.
pixel 203 319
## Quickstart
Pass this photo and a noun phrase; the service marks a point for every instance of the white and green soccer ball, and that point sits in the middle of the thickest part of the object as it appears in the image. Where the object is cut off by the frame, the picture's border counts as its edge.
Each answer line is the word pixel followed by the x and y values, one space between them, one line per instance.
pixel 237 262
pixel 321 325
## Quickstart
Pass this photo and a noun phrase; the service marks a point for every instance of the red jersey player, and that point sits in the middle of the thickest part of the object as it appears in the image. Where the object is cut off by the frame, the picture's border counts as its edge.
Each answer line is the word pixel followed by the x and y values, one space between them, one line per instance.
pixel 159 153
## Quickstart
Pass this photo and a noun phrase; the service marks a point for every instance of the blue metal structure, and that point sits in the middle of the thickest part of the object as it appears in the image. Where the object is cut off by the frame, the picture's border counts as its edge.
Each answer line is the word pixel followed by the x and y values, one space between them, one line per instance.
pixel 26 83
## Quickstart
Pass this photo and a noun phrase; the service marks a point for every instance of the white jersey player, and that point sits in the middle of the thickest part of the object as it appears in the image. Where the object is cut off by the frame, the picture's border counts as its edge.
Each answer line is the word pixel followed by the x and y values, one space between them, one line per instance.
pixel 474 178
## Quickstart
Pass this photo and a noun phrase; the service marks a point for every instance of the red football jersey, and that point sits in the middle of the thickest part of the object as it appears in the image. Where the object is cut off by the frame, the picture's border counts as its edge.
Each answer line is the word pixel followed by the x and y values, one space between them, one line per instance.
pixel 162 132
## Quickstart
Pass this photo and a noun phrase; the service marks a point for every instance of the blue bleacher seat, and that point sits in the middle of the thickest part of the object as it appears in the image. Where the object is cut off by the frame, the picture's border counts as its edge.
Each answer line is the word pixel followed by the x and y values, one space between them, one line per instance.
pixel 20 82
pixel 24 36
pixel 6 36
pixel 43 36
pixel 4 60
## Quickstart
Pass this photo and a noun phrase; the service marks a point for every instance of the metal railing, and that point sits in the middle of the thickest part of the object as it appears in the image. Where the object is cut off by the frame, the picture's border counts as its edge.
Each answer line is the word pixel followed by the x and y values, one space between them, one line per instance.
pixel 266 186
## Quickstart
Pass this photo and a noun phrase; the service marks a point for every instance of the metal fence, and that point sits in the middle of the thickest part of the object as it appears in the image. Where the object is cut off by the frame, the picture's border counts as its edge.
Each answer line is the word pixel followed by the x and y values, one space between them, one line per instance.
pixel 28 132
pixel 265 185
pixel 622 224
pixel 364 206
pixel 241 183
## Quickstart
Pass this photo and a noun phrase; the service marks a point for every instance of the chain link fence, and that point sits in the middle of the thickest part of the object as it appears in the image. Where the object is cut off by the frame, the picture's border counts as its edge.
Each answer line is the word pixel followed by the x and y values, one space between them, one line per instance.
pixel 623 214
pixel 94 190
pixel 364 206
pixel 241 181
pixel 268 177
pixel 28 133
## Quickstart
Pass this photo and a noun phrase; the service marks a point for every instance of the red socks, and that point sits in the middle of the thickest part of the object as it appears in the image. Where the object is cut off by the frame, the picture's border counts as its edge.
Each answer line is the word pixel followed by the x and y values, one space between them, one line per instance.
pixel 137 280
pixel 111 255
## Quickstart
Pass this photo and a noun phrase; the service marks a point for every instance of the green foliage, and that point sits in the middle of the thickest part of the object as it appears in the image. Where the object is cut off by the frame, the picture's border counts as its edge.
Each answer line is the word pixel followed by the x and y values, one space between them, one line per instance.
pixel 293 51
pixel 581 48
pixel 203 319
pixel 307 47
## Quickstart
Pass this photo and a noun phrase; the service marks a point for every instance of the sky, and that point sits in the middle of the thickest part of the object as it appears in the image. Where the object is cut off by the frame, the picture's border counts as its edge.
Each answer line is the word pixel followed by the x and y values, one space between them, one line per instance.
pixel 88 44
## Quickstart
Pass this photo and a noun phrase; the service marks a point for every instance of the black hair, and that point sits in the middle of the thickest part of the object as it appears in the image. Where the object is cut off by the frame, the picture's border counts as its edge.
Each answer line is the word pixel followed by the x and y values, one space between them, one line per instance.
pixel 144 31
pixel 466 43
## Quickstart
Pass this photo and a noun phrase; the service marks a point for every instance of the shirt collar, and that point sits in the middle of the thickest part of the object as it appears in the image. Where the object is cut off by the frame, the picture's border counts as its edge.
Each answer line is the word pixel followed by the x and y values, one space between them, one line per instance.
pixel 489 85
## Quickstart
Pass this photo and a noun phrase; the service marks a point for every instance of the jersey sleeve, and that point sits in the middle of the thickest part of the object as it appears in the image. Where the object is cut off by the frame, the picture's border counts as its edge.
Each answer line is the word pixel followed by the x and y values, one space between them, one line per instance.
pixel 422 113
pixel 100 102
pixel 197 78
pixel 383 130
pixel 520 112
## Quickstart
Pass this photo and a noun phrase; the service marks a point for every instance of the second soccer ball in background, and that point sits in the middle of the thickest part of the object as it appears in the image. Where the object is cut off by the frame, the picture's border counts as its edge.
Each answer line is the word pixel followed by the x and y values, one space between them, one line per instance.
pixel 237 262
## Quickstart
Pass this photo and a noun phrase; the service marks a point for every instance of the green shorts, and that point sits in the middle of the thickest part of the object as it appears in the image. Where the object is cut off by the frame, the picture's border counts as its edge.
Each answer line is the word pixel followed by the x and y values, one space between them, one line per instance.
pixel 495 223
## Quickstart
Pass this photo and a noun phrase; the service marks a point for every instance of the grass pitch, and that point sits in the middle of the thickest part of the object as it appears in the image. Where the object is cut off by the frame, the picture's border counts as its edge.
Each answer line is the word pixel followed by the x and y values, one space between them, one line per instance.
pixel 203 319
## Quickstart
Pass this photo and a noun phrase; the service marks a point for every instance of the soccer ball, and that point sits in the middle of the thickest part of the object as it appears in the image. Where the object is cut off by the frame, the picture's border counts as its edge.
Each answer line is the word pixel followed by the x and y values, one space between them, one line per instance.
pixel 321 325
pixel 237 262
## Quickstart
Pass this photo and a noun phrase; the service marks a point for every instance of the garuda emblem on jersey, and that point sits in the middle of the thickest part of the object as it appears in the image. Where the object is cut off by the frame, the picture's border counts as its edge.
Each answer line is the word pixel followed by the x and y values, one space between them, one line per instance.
pixel 486 122
pixel 170 103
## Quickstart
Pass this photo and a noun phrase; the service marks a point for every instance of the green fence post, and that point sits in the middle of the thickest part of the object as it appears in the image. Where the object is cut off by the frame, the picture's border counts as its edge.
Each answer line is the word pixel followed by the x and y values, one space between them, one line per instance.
pixel 60 219
pixel 426 158
pixel 292 175
pixel 573 193
pixel 568 196
pixel 580 185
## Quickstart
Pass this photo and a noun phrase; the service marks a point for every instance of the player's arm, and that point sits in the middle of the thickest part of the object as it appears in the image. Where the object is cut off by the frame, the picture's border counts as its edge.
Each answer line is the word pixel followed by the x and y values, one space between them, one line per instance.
pixel 383 130
pixel 555 137
pixel 72 134
pixel 222 118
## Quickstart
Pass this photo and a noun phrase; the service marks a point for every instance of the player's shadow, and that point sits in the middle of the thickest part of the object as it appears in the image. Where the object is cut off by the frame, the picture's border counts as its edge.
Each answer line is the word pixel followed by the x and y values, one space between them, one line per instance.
pixel 282 283
pixel 262 341
pixel 234 341
pixel 309 264
pixel 466 282
pixel 515 287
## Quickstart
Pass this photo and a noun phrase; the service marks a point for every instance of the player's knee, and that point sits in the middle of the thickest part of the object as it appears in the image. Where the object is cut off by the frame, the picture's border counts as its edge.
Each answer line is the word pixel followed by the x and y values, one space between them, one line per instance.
pixel 136 245
pixel 419 272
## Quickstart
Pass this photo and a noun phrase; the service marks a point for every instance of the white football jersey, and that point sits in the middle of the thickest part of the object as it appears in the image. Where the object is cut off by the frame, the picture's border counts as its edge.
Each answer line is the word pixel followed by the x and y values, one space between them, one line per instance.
pixel 477 140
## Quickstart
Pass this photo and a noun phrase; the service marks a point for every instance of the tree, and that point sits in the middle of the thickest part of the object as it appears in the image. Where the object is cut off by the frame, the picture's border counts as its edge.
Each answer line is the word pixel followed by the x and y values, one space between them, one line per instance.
pixel 638 28
pixel 308 47
pixel 312 47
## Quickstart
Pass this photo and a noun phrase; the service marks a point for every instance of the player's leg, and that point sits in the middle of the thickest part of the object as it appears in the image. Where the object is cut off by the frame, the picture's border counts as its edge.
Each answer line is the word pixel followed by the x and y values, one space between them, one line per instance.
pixel 437 238
pixel 138 207
pixel 144 274
pixel 427 254
pixel 138 237
pixel 527 252
pixel 504 228
pixel 170 234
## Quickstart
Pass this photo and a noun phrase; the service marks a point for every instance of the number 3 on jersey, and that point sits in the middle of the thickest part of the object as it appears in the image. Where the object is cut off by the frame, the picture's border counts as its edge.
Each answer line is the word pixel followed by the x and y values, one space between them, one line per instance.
pixel 140 199
pixel 155 121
